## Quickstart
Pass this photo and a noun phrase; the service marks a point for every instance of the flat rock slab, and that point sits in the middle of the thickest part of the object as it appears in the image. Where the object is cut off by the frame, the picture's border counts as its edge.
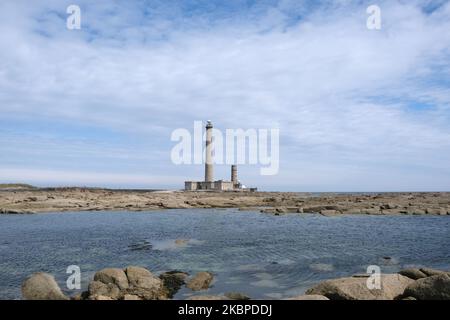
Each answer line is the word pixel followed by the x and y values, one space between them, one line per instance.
pixel 392 286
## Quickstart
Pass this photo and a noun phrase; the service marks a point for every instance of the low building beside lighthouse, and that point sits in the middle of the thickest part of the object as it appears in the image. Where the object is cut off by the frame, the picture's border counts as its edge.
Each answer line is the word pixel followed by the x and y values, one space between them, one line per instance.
pixel 209 183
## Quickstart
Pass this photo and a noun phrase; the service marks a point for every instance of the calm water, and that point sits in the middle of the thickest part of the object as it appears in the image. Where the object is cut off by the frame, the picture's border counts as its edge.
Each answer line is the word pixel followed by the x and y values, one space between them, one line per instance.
pixel 257 254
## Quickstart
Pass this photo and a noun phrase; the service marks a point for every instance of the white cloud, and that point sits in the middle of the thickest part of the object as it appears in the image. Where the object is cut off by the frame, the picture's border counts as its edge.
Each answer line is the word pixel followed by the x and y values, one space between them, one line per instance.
pixel 340 93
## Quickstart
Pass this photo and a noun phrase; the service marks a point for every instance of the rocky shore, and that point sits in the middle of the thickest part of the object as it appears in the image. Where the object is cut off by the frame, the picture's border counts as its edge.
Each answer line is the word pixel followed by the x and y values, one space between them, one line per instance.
pixel 137 283
pixel 34 200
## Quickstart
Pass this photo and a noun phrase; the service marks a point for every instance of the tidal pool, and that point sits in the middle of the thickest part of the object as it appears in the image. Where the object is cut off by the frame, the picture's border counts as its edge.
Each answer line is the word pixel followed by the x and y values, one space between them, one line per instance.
pixel 260 255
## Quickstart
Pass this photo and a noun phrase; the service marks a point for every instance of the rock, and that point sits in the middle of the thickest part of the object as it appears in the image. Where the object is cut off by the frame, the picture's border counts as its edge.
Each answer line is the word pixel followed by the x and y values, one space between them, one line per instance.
pixel 281 210
pixel 415 211
pixel 102 298
pixel 207 298
pixel 11 211
pixel 352 211
pixel 392 211
pixel 409 298
pixel 392 286
pixel 200 281
pixel 42 286
pixel 431 272
pixel 144 284
pixel 129 283
pixel 414 274
pixel 389 206
pixel 112 275
pixel 318 209
pixel 268 210
pixel 173 280
pixel 328 213
pixel 431 288
pixel 371 211
pixel 236 296
pixel 131 297
pixel 309 297
pixel 98 288
pixel 436 211
pixel 181 242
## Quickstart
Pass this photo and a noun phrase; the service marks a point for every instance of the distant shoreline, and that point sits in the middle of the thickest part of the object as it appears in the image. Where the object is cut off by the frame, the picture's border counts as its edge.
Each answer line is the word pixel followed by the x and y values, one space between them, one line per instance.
pixel 17 199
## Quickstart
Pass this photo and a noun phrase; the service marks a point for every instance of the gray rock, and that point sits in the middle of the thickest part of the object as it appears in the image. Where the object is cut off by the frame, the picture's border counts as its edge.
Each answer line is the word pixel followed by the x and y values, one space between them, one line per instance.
pixel 415 211
pixel 13 211
pixel 432 272
pixel 236 296
pixel 374 211
pixel 100 289
pixel 392 211
pixel 173 280
pixel 392 286
pixel 352 211
pixel 131 297
pixel 200 281
pixel 436 211
pixel 112 275
pixel 42 286
pixel 329 213
pixel 388 206
pixel 144 284
pixel 414 274
pixel 430 288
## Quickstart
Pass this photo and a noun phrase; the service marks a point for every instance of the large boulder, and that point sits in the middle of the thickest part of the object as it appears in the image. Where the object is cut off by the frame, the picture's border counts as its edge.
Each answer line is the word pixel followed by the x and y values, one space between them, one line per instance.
pixel 112 275
pixel 133 282
pixel 200 281
pixel 144 284
pixel 42 286
pixel 431 288
pixel 355 288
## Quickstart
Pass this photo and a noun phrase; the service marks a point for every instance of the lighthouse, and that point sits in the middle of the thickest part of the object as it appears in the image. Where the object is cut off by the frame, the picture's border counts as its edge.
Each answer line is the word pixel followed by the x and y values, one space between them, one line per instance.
pixel 209 184
pixel 209 167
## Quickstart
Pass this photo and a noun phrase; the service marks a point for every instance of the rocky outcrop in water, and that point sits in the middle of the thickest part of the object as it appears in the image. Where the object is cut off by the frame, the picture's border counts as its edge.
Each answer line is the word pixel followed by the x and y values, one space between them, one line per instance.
pixel 276 203
pixel 136 283
pixel 200 281
pixel 408 284
pixel 173 281
pixel 132 283
pixel 355 288
pixel 42 286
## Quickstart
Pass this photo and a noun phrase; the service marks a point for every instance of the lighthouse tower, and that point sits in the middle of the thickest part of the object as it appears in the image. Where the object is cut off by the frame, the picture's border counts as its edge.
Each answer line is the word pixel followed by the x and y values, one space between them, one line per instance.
pixel 209 168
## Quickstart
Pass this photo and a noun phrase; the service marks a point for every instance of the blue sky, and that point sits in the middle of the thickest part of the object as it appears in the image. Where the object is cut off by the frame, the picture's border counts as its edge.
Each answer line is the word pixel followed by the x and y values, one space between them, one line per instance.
pixel 357 109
